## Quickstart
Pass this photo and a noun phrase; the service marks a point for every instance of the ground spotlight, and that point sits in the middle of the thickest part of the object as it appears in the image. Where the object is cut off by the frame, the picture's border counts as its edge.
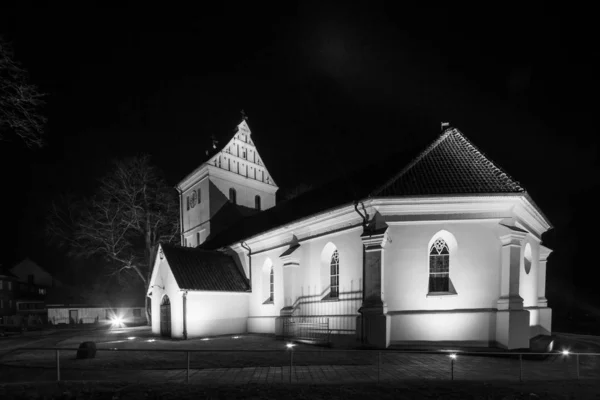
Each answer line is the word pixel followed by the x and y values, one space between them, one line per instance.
pixel 565 352
pixel 290 345
pixel 205 339
pixel 452 356
pixel 131 338
pixel 151 340
pixel 236 337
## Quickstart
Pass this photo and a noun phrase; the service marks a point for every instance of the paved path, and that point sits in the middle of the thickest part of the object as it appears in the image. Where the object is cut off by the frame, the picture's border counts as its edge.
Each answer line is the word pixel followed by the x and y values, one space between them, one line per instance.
pixel 393 367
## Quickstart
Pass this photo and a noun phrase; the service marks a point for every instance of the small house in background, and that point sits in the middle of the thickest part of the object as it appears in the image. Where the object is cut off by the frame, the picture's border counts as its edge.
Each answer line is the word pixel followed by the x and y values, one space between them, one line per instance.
pixel 34 282
pixel 71 306
pixel 8 294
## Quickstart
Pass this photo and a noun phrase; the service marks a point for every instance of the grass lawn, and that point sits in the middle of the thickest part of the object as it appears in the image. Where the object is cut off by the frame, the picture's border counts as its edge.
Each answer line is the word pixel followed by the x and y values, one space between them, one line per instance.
pixel 405 390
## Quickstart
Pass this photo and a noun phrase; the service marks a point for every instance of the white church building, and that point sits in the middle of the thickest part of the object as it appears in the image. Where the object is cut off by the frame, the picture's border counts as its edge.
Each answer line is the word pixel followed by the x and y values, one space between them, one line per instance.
pixel 445 249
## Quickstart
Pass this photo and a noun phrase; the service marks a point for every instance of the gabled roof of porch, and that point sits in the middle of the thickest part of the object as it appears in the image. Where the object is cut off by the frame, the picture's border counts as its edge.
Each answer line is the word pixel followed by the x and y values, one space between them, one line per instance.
pixel 206 270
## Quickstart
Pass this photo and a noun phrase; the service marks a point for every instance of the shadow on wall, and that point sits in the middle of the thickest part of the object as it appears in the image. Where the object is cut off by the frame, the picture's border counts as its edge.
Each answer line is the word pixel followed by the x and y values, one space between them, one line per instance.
pixel 223 213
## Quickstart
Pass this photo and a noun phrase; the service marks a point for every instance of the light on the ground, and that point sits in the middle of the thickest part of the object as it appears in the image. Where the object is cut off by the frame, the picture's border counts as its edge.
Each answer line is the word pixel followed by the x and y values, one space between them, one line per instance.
pixel 151 340
pixel 565 352
pixel 452 356
pixel 236 337
pixel 205 339
pixel 290 345
pixel 131 337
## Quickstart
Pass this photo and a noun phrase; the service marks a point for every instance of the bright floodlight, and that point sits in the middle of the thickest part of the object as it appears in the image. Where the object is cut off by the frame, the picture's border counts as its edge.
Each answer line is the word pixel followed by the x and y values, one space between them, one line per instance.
pixel 117 321
pixel 290 345
pixel 452 356
pixel 131 337
pixel 565 352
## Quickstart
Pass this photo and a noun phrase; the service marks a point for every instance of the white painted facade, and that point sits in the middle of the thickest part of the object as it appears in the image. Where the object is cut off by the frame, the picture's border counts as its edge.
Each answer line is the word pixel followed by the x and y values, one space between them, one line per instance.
pixel 474 227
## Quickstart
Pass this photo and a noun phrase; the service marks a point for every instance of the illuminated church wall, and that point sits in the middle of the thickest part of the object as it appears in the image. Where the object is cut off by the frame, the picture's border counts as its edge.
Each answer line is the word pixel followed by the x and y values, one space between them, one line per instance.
pixel 216 313
pixel 417 314
pixel 164 284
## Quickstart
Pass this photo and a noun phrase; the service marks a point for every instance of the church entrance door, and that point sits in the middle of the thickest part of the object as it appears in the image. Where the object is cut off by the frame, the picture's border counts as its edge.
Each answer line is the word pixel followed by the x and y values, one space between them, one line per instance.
pixel 165 317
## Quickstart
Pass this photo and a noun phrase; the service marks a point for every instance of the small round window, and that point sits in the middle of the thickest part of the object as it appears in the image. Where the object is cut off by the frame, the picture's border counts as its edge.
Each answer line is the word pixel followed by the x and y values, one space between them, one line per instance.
pixel 527 258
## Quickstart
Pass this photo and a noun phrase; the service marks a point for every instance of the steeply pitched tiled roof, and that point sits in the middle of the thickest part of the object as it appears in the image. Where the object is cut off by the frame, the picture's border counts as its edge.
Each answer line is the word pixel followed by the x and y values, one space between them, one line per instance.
pixel 451 165
pixel 198 269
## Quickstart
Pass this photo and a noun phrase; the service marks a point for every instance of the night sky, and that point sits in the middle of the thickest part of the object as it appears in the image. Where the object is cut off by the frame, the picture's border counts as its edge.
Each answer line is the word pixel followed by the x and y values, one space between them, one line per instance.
pixel 325 87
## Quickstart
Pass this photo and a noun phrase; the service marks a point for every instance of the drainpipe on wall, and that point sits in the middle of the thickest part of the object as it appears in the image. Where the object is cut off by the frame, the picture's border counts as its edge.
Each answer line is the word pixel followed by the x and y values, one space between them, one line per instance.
pixel 365 219
pixel 185 292
pixel 180 216
pixel 245 246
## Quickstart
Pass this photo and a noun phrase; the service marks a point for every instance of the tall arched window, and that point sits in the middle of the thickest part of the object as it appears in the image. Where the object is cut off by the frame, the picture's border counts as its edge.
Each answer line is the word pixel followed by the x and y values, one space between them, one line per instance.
pixel 232 196
pixel 335 274
pixel 439 266
pixel 271 286
pixel 257 202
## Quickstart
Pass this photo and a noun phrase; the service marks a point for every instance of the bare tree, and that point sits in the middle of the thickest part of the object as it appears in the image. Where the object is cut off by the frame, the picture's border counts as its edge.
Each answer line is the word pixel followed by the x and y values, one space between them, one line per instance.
pixel 131 212
pixel 20 102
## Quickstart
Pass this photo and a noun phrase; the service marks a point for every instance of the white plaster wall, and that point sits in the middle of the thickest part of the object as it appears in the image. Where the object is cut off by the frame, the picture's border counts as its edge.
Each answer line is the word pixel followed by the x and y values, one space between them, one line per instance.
pixel 474 272
pixel 263 315
pixel 309 285
pixel 165 283
pixel 528 282
pixel 457 326
pixel 198 214
pixel 215 313
pixel 474 267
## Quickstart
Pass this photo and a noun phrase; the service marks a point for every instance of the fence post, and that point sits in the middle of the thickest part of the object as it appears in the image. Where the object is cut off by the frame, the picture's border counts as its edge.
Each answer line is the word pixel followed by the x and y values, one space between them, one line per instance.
pixel 57 365
pixel 378 366
pixel 187 379
pixel 577 360
pixel 291 363
pixel 521 368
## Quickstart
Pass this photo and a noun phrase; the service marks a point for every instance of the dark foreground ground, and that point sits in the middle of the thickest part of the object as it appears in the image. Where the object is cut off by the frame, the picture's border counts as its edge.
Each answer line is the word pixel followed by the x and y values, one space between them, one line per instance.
pixel 405 390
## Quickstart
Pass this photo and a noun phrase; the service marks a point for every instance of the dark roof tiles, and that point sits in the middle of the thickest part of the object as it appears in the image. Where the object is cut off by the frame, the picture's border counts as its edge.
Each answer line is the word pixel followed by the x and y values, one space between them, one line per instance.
pixel 198 269
pixel 451 165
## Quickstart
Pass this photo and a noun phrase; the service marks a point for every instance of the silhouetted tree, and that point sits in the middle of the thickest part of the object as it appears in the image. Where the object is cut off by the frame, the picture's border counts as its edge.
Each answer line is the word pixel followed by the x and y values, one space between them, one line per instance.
pixel 20 102
pixel 131 211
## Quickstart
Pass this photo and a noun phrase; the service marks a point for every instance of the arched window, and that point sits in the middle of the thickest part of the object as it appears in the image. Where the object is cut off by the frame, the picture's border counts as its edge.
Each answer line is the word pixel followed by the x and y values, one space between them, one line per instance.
pixel 439 266
pixel 271 286
pixel 232 196
pixel 335 274
pixel 257 202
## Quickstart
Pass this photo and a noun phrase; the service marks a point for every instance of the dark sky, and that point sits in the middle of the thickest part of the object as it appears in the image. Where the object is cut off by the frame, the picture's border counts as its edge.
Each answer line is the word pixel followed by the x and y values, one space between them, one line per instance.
pixel 326 87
